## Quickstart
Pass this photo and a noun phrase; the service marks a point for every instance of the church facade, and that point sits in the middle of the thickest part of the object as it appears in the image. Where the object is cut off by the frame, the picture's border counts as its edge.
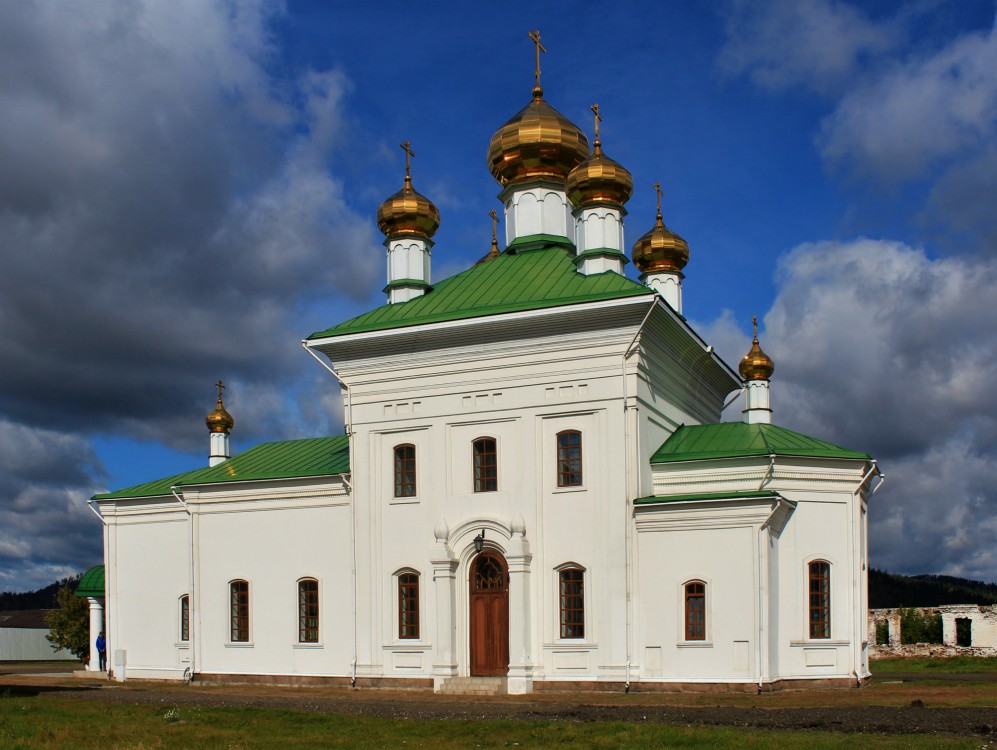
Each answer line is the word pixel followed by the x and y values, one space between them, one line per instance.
pixel 534 484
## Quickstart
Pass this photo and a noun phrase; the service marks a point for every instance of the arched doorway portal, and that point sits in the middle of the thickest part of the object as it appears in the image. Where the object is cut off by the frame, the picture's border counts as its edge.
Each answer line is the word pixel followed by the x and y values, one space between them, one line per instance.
pixel 489 615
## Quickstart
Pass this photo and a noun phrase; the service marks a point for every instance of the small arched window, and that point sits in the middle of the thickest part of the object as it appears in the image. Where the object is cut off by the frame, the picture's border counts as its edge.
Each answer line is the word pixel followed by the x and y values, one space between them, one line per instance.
pixel 408 605
pixel 485 465
pixel 239 611
pixel 820 599
pixel 404 471
pixel 571 595
pixel 695 611
pixel 184 618
pixel 569 458
pixel 307 610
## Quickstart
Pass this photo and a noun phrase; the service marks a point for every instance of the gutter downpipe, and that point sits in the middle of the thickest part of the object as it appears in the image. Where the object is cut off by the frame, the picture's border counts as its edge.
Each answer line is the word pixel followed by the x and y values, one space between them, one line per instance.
pixel 193 600
pixel 759 651
pixel 96 512
pixel 353 502
pixel 626 483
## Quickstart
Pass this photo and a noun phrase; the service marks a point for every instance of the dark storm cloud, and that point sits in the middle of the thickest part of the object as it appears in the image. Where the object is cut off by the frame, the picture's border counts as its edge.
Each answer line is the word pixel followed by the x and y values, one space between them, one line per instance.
pixel 166 209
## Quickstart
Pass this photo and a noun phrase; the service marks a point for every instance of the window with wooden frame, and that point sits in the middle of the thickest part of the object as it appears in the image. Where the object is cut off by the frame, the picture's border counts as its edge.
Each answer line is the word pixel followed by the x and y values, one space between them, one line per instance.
pixel 485 465
pixel 239 612
pixel 307 610
pixel 184 618
pixel 404 471
pixel 408 605
pixel 695 611
pixel 569 458
pixel 820 599
pixel 571 595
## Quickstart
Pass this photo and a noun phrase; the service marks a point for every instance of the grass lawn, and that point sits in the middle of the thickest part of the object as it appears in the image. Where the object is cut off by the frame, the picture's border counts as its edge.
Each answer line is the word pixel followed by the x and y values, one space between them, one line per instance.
pixel 48 722
pixel 957 664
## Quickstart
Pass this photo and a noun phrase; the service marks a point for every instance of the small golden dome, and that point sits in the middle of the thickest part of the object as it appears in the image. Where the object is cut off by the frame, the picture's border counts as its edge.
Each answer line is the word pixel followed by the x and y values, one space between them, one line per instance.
pixel 660 249
pixel 408 212
pixel 599 181
pixel 756 364
pixel 537 143
pixel 219 420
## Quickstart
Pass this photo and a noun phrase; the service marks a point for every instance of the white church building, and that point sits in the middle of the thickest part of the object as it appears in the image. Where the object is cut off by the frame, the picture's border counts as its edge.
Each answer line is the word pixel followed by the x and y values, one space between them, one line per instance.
pixel 534 490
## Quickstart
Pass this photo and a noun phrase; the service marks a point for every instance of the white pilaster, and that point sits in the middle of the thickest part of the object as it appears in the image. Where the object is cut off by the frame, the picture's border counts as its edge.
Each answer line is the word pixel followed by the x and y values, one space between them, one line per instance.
pixel 96 626
pixel 537 208
pixel 669 285
pixel 408 267
pixel 757 409
pixel 520 679
pixel 219 448
pixel 444 581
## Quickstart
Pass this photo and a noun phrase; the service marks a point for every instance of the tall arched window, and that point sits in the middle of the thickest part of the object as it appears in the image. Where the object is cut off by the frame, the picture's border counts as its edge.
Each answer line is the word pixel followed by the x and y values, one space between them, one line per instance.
pixel 408 605
pixel 485 465
pixel 571 595
pixel 307 610
pixel 184 618
pixel 820 599
pixel 404 471
pixel 569 458
pixel 239 611
pixel 695 611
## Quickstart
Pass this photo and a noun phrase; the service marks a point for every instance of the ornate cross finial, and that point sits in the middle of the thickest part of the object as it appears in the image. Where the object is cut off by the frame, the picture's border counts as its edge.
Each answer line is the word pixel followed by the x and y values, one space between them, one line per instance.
pixel 535 36
pixel 409 153
pixel 598 119
pixel 657 189
pixel 754 324
pixel 495 220
pixel 220 386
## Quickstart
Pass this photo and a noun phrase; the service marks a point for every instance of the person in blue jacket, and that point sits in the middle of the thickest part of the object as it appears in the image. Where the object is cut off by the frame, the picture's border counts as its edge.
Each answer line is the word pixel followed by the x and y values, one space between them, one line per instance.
pixel 102 651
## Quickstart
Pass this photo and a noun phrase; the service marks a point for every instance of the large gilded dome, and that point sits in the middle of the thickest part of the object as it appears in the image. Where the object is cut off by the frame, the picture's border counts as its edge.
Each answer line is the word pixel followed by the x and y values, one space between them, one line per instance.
pixel 537 143
pixel 408 212
pixel 660 250
pixel 599 181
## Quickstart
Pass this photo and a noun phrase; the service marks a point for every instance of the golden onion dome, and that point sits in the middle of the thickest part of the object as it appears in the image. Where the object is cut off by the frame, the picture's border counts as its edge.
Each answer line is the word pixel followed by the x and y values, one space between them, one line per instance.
pixel 756 364
pixel 219 420
pixel 599 181
pixel 660 249
pixel 537 143
pixel 408 212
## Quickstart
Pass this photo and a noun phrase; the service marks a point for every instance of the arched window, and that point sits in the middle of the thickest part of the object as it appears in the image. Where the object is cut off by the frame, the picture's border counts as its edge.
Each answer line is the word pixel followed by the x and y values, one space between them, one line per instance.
pixel 408 605
pixel 571 594
pixel 485 465
pixel 695 611
pixel 404 471
pixel 569 458
pixel 184 618
pixel 239 611
pixel 820 599
pixel 307 610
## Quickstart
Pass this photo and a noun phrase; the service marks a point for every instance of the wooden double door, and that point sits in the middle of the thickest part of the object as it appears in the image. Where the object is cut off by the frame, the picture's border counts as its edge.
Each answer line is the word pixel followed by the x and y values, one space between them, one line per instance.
pixel 489 615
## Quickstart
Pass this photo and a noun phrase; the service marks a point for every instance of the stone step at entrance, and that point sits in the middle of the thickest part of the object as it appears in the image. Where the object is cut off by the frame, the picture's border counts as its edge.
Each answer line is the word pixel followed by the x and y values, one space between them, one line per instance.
pixel 474 686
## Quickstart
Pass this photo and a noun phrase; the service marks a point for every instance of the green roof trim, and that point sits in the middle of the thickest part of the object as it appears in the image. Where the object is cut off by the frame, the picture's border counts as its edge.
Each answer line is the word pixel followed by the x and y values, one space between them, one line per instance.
pixel 511 282
pixel 407 282
pixel 609 252
pixel 286 459
pixel 738 439
pixel 92 583
pixel 538 242
pixel 708 496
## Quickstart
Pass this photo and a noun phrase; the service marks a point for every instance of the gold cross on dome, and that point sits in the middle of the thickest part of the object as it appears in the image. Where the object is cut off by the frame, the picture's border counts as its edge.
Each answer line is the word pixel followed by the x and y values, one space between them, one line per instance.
pixel 657 189
pixel 754 324
pixel 409 153
pixel 598 118
pixel 495 221
pixel 220 386
pixel 535 36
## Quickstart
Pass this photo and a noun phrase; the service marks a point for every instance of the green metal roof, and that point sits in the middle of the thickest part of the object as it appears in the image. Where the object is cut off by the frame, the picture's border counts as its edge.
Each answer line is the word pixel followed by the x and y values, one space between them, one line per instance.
pixel 707 496
pixel 92 582
pixel 737 439
pixel 530 279
pixel 280 460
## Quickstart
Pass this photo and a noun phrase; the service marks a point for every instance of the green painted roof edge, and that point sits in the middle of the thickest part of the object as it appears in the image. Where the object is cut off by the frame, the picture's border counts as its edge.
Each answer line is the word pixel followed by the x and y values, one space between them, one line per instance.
pixel 92 582
pixel 707 496
pixel 537 242
pixel 605 251
pixel 407 282
pixel 823 449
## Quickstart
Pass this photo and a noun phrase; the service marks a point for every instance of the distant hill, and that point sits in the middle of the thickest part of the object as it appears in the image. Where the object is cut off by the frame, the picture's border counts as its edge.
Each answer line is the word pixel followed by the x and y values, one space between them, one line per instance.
pixel 40 599
pixel 888 590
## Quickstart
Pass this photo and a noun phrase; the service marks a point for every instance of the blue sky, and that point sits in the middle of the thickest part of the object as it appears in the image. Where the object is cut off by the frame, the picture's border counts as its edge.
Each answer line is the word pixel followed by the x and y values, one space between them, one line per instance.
pixel 189 189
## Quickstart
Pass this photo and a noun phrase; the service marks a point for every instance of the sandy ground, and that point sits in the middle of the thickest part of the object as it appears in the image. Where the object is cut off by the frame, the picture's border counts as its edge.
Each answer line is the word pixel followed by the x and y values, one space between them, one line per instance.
pixel 892 704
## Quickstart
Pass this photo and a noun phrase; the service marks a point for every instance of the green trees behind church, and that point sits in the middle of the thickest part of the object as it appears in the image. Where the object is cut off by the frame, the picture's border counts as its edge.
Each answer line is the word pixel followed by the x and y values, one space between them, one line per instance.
pixel 70 623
